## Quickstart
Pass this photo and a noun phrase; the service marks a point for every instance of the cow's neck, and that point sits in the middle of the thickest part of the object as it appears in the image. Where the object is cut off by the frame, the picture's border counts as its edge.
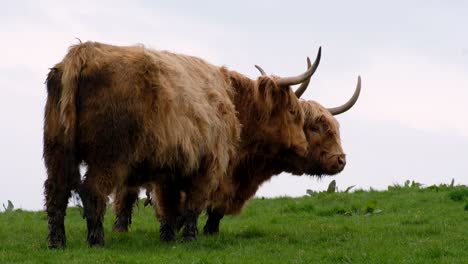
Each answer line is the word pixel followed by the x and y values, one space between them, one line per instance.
pixel 247 112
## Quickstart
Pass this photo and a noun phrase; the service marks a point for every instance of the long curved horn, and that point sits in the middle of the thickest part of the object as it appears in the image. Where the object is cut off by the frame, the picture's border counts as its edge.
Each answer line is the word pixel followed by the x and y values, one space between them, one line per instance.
pixel 304 85
pixel 286 81
pixel 301 88
pixel 346 106
pixel 262 72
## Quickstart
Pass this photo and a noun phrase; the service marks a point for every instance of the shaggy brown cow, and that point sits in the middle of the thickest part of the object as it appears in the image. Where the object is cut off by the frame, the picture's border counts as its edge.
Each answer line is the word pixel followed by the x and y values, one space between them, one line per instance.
pixel 325 157
pixel 169 202
pixel 124 110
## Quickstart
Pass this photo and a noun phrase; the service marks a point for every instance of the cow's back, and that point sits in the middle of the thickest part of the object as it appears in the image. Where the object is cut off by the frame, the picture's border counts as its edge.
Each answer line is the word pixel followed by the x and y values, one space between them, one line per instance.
pixel 137 104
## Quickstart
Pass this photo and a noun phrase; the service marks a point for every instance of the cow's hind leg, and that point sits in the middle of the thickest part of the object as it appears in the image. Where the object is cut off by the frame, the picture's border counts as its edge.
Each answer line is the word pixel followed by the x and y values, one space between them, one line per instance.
pixel 62 176
pixel 98 184
pixel 125 199
pixel 56 204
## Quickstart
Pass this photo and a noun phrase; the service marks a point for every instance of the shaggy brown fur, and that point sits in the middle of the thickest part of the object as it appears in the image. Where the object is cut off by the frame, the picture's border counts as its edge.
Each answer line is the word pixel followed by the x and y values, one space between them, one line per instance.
pixel 323 158
pixel 322 133
pixel 134 116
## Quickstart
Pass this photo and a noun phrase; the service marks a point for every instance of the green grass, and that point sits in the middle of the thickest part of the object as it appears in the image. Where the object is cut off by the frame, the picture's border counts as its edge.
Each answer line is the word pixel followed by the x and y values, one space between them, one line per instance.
pixel 402 225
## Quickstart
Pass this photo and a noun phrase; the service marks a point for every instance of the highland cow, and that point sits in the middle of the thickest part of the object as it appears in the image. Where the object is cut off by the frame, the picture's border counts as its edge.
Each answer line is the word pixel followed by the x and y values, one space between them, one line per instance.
pixel 325 157
pixel 135 116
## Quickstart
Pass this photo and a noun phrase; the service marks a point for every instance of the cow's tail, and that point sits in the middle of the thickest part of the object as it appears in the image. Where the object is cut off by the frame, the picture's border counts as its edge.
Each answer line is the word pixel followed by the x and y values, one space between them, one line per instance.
pixel 73 65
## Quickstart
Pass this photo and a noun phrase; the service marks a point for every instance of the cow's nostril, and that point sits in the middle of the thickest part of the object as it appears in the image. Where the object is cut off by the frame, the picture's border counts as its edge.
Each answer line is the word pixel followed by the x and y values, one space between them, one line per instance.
pixel 341 160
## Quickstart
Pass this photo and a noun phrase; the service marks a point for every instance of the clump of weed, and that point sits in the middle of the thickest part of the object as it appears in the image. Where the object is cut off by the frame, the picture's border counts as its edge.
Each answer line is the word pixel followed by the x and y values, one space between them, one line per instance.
pixel 298 208
pixel 9 206
pixel 331 187
pixel 407 185
pixel 416 220
pixel 370 206
pixel 349 188
pixel 332 211
pixel 442 186
pixel 251 233
pixel 459 195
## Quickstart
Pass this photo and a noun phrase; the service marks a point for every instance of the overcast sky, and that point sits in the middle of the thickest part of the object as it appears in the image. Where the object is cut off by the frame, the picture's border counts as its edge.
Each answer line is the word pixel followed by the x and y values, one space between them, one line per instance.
pixel 410 122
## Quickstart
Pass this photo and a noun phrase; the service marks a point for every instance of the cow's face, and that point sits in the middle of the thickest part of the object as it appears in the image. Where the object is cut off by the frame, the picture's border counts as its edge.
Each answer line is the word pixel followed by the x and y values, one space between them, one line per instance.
pixel 323 136
pixel 283 118
pixel 325 155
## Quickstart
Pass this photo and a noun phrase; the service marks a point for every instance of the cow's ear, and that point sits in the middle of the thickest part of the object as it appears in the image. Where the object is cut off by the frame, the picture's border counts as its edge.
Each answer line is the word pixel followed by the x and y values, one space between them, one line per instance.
pixel 281 94
pixel 285 88
pixel 272 95
pixel 264 85
pixel 266 93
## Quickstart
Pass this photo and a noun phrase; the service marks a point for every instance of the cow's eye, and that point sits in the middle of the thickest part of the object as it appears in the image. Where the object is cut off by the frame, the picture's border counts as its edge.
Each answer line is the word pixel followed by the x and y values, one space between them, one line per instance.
pixel 314 129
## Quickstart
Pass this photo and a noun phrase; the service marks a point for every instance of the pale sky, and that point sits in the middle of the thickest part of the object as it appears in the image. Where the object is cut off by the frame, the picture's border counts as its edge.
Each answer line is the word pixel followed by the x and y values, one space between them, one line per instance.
pixel 409 123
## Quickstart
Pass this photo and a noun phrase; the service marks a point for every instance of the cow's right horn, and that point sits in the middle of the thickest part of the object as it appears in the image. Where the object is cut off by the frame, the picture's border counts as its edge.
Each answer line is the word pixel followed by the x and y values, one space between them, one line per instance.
pixel 346 106
pixel 286 81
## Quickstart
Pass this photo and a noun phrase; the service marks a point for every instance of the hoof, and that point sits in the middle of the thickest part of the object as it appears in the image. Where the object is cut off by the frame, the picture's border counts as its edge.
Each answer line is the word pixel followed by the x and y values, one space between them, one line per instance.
pixel 56 244
pixel 96 238
pixel 120 226
pixel 120 229
pixel 166 233
pixel 56 239
pixel 96 242
pixel 210 230
pixel 188 238
pixel 189 234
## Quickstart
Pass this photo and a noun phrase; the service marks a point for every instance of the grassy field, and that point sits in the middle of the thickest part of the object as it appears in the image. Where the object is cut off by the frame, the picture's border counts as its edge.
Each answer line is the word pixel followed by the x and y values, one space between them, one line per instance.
pixel 402 225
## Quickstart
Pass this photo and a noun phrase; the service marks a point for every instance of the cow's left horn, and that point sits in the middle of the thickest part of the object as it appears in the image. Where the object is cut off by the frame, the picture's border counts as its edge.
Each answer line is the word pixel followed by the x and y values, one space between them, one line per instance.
pixel 301 88
pixel 286 81
pixel 305 84
pixel 262 72
pixel 346 106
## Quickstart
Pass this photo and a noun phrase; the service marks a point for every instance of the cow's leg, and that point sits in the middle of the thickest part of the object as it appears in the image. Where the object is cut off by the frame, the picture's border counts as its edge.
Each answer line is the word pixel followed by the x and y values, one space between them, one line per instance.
pixel 212 224
pixel 196 200
pixel 124 201
pixel 98 184
pixel 56 204
pixel 148 197
pixel 179 223
pixel 167 209
pixel 62 176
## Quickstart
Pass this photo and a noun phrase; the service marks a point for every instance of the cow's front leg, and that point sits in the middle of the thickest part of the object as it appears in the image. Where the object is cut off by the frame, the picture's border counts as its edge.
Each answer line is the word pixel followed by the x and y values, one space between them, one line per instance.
pixel 190 226
pixel 167 197
pixel 212 224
